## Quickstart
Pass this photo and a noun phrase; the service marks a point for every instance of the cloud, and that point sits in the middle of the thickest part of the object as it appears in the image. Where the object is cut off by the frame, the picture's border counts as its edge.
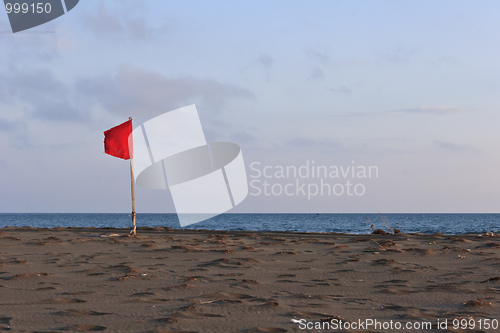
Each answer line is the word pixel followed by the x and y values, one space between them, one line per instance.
pixel 317 74
pixel 30 46
pixel 265 60
pixel 438 110
pixel 103 21
pixel 341 90
pixel 243 137
pixel 121 21
pixel 133 90
pixel 322 57
pixel 310 143
pixel 47 98
pixel 4 91
pixel 452 147
pixel 423 110
pixel 17 135
pixel 27 47
pixel 139 29
pixel 399 54
pixel 11 125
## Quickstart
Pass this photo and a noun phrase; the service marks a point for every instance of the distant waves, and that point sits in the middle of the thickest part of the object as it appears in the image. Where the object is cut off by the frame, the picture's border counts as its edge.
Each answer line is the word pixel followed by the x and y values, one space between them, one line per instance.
pixel 345 223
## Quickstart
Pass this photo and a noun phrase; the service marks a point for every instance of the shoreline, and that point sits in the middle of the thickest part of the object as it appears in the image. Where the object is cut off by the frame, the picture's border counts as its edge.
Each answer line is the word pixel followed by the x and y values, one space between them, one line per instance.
pixel 180 230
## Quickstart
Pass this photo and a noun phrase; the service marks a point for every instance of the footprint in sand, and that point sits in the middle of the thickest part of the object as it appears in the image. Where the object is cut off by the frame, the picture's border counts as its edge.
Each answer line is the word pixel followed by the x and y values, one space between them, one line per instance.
pixel 5 323
pixel 394 291
pixel 74 312
pixel 229 295
pixel 26 275
pixel 143 294
pixel 179 286
pixel 384 262
pixel 62 301
pixel 165 331
pixel 267 329
pixel 85 328
pixel 44 288
pixel 198 315
pixel 167 320
pixel 77 293
pixel 147 300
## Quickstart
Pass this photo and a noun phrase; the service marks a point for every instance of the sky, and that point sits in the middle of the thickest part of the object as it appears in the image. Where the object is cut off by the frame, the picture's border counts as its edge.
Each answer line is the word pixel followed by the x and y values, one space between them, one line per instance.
pixel 408 87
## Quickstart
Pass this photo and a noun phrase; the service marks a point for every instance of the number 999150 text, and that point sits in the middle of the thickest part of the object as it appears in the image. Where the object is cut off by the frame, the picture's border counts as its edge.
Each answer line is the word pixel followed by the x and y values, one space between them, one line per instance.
pixel 24 8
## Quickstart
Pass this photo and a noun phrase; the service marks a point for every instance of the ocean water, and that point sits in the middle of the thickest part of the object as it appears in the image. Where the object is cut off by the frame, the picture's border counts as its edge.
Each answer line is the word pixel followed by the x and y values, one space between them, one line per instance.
pixel 345 223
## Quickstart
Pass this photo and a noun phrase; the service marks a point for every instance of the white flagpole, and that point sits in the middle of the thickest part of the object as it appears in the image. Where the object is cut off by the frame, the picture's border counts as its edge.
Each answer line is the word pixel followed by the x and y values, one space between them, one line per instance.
pixel 133 191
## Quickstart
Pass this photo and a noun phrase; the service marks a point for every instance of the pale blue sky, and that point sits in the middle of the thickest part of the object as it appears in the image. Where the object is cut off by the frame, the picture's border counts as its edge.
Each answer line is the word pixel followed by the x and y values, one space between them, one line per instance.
pixel 411 87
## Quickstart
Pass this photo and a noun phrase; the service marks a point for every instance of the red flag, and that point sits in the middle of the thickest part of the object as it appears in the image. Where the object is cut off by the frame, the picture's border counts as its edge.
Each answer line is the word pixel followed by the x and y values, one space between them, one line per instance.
pixel 116 140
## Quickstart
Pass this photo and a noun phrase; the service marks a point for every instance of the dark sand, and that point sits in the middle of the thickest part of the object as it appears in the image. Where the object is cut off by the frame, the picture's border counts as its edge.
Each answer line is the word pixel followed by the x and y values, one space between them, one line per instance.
pixel 206 281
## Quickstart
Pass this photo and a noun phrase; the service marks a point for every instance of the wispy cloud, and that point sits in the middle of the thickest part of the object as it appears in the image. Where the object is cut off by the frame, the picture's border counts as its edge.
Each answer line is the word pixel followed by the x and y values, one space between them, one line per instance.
pixel 399 54
pixel 11 125
pixel 341 90
pixel 322 57
pixel 26 48
pixel 116 23
pixel 17 135
pixel 311 143
pixel 452 147
pixel 265 60
pixel 44 96
pixel 438 110
pixel 317 74
pixel 422 110
pixel 132 90
pixel 103 21
pixel 243 137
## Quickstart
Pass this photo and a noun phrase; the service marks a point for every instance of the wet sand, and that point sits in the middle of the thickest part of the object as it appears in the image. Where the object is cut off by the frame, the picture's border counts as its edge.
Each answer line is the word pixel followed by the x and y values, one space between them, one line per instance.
pixel 86 279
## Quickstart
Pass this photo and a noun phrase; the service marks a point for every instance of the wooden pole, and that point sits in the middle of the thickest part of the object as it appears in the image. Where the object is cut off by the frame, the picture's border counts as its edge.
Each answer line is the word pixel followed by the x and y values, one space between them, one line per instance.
pixel 133 191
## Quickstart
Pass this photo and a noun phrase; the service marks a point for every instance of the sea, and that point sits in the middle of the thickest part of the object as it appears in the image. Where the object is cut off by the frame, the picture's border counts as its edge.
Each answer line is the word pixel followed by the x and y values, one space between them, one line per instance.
pixel 331 223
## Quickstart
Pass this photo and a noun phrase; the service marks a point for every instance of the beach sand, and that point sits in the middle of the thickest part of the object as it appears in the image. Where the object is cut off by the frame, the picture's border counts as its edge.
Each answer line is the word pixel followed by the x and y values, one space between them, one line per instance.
pixel 84 279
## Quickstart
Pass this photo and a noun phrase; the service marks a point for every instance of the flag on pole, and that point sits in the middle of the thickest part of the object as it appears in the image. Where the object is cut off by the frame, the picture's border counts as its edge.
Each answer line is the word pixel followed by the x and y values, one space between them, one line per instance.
pixel 116 140
pixel 117 143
